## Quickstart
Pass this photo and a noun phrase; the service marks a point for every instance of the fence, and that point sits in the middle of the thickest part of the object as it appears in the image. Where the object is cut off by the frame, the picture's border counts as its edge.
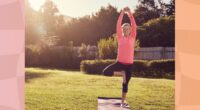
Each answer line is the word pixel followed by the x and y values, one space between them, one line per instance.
pixel 154 53
pixel 148 53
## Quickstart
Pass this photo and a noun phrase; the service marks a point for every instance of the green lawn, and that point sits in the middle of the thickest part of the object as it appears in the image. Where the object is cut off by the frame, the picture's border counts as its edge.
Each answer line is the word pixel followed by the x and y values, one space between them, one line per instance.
pixel 73 90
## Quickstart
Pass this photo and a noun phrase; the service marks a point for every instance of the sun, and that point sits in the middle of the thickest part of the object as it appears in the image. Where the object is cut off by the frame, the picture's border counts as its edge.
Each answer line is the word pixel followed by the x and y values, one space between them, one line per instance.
pixel 36 4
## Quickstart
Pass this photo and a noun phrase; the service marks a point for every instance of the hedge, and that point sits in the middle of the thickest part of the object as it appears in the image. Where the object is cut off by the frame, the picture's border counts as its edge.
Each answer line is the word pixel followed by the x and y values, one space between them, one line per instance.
pixel 141 68
pixel 48 57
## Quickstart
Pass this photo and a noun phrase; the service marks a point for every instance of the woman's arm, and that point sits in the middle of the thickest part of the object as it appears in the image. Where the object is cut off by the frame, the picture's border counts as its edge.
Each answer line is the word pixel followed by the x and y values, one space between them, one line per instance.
pixel 119 23
pixel 133 24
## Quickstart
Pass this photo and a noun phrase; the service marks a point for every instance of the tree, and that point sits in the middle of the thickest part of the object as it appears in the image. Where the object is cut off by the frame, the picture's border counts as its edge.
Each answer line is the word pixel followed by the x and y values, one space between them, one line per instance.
pixel 146 10
pixel 171 8
pixel 168 9
pixel 150 4
pixel 158 32
pixel 51 18
pixel 90 29
pixel 31 23
pixel 105 21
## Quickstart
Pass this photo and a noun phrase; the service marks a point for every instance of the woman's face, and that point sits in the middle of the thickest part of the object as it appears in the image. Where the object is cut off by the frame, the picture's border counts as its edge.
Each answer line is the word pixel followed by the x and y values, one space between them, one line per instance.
pixel 126 30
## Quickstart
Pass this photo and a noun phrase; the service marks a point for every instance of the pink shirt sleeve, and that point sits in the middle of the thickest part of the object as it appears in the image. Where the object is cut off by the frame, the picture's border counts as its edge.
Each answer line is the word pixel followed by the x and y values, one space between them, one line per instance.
pixel 133 24
pixel 119 23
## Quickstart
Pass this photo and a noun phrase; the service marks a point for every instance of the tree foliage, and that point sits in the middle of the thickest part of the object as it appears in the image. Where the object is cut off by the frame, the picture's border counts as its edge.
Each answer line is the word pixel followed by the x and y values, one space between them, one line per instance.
pixel 158 32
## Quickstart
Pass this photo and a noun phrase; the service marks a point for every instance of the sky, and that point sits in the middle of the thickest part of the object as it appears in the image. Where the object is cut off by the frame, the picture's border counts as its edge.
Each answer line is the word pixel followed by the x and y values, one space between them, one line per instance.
pixel 79 8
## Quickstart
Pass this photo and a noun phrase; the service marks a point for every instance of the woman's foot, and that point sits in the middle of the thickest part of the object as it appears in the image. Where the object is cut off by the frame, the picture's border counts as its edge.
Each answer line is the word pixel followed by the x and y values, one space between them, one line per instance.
pixel 123 105
pixel 124 102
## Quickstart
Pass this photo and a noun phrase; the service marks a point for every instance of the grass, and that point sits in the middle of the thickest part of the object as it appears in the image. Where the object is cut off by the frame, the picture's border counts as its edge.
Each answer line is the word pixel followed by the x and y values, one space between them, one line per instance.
pixel 73 90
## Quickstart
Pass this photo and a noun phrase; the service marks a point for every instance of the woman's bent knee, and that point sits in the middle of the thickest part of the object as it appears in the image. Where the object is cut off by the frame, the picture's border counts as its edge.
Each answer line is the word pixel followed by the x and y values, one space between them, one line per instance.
pixel 107 73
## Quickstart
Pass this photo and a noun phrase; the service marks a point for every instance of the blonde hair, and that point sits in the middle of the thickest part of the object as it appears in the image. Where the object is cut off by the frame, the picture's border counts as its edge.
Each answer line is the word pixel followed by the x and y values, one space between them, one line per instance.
pixel 126 24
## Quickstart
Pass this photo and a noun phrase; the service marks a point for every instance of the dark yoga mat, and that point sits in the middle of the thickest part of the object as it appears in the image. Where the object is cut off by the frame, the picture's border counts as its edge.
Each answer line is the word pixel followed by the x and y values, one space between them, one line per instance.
pixel 110 103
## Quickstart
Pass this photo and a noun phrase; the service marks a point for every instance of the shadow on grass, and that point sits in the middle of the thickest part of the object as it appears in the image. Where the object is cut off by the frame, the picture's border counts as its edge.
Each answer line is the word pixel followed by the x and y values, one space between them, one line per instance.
pixel 32 75
pixel 52 68
pixel 39 72
pixel 170 77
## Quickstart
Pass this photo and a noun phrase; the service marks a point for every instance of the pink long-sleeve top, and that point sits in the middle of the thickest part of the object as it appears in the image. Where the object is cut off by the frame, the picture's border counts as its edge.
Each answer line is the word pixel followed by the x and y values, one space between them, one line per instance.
pixel 125 53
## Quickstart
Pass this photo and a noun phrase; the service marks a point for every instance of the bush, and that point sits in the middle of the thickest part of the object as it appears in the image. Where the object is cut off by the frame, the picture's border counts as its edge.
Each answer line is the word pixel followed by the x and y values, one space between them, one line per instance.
pixel 162 68
pixel 87 51
pixel 141 68
pixel 108 47
pixel 94 66
pixel 65 57
pixel 32 52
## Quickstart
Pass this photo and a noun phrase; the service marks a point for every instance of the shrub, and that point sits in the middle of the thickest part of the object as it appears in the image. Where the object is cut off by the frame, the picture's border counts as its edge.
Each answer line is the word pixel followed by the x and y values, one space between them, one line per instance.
pixel 161 67
pixel 87 51
pixel 141 68
pixel 94 66
pixel 32 53
pixel 108 47
pixel 64 57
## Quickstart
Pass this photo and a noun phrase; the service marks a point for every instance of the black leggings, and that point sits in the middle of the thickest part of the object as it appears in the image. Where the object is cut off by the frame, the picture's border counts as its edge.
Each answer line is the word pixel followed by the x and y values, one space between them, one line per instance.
pixel 117 66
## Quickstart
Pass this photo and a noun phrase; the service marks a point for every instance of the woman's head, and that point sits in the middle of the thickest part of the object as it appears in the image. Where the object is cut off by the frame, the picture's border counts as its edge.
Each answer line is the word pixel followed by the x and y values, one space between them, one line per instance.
pixel 126 29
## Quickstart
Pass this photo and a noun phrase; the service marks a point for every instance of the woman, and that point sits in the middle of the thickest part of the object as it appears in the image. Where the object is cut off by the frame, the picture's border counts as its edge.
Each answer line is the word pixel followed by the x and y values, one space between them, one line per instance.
pixel 126 35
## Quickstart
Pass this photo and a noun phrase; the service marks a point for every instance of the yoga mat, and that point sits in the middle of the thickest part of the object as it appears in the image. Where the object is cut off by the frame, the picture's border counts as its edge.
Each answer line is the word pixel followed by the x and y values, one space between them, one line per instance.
pixel 110 103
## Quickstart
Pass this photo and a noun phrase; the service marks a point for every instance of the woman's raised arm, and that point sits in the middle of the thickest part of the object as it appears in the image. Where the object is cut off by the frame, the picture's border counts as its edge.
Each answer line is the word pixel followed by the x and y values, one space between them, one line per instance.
pixel 133 24
pixel 119 23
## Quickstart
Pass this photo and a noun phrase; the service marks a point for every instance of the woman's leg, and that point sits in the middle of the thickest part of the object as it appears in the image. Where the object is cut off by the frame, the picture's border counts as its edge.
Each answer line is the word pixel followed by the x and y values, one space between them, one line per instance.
pixel 118 69
pixel 128 72
pixel 113 69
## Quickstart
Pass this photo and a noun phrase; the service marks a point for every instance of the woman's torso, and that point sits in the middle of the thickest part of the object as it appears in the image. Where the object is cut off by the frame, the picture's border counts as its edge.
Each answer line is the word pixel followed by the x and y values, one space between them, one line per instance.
pixel 125 53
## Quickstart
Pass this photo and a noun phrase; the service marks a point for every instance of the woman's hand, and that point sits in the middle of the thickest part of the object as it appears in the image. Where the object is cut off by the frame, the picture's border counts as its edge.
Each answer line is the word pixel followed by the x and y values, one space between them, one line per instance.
pixel 126 9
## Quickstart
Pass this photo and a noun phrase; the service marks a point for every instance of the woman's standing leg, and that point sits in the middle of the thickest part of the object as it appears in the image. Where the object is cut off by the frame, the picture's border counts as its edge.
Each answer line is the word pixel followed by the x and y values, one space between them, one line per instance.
pixel 118 69
pixel 127 72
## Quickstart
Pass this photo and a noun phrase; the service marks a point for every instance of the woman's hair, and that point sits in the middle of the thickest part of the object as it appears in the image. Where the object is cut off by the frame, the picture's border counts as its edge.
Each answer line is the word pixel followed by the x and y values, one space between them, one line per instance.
pixel 126 24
